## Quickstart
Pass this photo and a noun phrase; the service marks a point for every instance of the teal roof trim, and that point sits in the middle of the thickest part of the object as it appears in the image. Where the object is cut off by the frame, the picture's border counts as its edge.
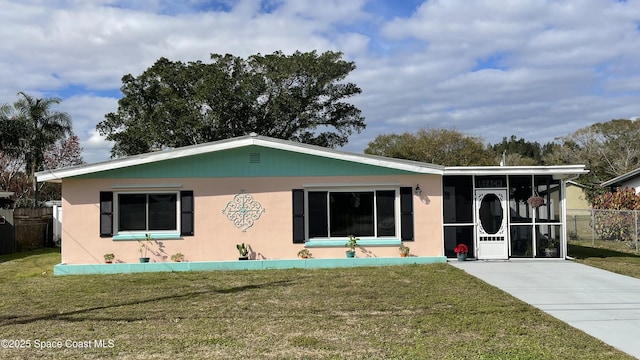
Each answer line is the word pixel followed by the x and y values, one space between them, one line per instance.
pixel 248 161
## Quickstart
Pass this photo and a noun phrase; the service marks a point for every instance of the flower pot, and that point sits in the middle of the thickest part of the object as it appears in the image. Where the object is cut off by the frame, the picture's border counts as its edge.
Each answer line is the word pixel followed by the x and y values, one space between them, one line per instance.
pixel 144 259
pixel 535 201
pixel 462 256
pixel 350 253
pixel 403 255
pixel 243 258
pixel 108 262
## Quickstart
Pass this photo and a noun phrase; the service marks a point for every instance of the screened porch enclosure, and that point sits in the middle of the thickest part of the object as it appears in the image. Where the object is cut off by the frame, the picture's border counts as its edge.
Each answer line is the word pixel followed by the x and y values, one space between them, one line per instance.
pixel 503 216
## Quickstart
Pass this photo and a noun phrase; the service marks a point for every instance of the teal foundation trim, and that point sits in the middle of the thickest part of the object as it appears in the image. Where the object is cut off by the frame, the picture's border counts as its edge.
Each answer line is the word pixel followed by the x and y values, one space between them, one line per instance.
pixel 122 268
pixel 340 243
pixel 156 236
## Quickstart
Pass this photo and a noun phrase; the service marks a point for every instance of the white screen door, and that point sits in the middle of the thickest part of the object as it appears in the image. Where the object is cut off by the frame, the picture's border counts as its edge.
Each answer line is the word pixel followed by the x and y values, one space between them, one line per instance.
pixel 491 224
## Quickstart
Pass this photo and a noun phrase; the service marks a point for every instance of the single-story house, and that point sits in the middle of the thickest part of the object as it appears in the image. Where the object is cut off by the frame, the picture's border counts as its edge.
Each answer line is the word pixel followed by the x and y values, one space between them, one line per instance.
pixel 579 212
pixel 629 179
pixel 279 197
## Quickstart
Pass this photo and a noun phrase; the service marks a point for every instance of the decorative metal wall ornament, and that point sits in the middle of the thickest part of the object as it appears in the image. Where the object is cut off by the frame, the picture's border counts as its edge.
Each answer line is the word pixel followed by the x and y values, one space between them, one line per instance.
pixel 243 210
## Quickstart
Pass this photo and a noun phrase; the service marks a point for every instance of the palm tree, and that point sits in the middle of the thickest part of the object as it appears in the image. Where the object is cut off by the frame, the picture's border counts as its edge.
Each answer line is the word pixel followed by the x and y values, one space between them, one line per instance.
pixel 31 128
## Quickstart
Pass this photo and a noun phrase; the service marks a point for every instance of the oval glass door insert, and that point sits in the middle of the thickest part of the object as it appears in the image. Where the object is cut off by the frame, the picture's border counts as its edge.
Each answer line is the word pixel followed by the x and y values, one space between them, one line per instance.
pixel 491 213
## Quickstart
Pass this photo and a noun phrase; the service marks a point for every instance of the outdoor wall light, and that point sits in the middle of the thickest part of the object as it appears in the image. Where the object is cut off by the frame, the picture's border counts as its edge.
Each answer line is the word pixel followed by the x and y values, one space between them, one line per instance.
pixel 418 190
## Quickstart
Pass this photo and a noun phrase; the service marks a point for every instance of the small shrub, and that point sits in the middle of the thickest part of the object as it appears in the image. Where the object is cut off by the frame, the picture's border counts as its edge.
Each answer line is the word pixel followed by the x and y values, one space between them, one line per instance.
pixel 178 257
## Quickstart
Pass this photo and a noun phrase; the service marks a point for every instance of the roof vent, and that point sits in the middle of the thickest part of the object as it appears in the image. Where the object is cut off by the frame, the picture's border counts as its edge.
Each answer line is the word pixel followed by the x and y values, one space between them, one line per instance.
pixel 254 158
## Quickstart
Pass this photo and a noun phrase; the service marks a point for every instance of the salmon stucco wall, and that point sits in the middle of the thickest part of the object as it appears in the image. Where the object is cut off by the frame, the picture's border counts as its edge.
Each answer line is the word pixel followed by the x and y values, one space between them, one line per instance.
pixel 215 237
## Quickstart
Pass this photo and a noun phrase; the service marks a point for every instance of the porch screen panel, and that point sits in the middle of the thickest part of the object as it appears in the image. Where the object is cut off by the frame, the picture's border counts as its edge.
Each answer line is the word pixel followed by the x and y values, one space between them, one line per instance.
pixel 521 237
pixel 520 190
pixel 549 189
pixel 458 199
pixel 454 235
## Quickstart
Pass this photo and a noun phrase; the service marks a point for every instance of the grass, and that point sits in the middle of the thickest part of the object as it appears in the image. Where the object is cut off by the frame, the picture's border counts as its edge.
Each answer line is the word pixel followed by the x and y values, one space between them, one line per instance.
pixel 614 256
pixel 402 312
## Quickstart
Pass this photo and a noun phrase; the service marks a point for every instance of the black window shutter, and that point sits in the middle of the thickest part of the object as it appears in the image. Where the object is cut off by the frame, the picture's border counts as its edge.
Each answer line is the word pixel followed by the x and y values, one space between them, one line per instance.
pixel 318 221
pixel 106 213
pixel 406 213
pixel 298 216
pixel 186 213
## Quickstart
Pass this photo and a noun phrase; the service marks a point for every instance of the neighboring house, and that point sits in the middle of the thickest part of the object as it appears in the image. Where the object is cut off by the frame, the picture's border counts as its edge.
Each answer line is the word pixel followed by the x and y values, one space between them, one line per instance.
pixel 577 202
pixel 579 211
pixel 630 180
pixel 279 197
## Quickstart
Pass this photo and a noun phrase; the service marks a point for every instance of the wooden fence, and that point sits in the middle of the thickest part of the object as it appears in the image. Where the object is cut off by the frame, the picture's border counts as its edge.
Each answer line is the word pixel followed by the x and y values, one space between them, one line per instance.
pixel 7 232
pixel 25 229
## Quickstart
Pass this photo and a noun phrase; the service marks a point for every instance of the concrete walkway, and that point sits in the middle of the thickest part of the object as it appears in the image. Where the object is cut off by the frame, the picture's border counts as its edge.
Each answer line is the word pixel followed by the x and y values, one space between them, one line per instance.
pixel 602 304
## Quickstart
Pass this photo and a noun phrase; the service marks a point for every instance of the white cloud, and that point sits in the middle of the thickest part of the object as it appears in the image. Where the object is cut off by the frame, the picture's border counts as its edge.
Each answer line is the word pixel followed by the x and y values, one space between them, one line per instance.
pixel 86 112
pixel 95 147
pixel 536 69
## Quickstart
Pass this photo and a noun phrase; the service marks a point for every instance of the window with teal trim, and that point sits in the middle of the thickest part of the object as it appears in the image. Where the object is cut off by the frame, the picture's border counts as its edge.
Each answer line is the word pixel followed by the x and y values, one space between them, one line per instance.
pixel 338 214
pixel 147 212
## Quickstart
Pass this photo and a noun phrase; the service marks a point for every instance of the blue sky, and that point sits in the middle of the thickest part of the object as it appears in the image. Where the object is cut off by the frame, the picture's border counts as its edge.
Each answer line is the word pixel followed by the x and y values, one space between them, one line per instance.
pixel 537 69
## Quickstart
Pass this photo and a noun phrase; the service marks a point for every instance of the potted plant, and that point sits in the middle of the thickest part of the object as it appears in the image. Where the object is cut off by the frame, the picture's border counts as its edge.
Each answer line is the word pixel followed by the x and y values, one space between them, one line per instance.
pixel 351 244
pixel 178 257
pixel 461 251
pixel 304 254
pixel 108 258
pixel 535 201
pixel 551 249
pixel 144 247
pixel 404 251
pixel 244 252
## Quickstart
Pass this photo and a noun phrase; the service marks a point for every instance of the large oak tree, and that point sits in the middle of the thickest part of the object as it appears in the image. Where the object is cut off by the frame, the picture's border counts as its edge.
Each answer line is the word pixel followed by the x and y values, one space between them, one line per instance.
pixel 300 97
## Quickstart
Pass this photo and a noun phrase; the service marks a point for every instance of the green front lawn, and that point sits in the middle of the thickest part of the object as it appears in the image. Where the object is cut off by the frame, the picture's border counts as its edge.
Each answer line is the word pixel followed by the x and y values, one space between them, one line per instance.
pixel 615 256
pixel 401 312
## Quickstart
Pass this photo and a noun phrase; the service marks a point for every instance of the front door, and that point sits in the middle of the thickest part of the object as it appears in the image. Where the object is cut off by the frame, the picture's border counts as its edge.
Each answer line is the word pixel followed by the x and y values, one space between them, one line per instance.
pixel 491 224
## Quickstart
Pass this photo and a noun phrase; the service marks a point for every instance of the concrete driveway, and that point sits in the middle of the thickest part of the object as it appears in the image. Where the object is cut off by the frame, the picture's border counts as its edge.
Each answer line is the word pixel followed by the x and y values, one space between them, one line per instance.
pixel 602 304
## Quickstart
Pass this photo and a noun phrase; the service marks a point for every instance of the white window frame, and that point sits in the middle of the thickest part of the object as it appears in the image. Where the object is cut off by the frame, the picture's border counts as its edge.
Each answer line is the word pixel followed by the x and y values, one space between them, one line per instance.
pixel 116 213
pixel 396 211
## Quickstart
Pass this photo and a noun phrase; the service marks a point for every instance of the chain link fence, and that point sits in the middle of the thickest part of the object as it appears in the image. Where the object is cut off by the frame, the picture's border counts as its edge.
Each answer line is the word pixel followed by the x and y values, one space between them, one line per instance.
pixel 604 225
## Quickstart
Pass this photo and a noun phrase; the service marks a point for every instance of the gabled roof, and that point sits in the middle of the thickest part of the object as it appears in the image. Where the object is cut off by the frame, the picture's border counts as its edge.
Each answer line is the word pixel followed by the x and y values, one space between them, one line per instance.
pixel 234 143
pixel 622 178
